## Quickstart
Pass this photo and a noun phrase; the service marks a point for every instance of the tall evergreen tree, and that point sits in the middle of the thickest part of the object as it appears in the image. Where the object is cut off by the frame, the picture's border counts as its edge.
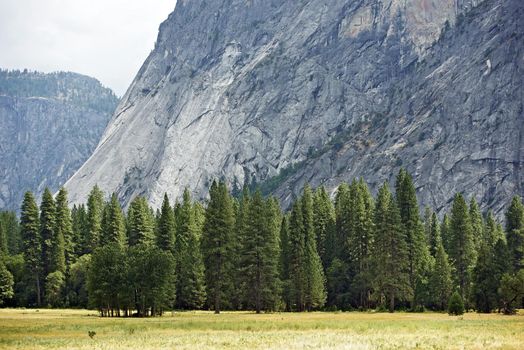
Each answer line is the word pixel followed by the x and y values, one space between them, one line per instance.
pixel 190 279
pixel 491 233
pixel 315 296
pixel 462 249
pixel 477 224
pixel 418 254
pixel 260 256
pixel 359 241
pixel 140 223
pixel 166 227
pixel 285 254
pixel 515 233
pixel 492 263
pixel 64 229
pixel 390 252
pixel 324 222
pixel 441 283
pixel 95 207
pixel 79 219
pixel 217 245
pixel 32 242
pixel 114 230
pixel 434 235
pixel 297 258
pixel 445 233
pixel 52 248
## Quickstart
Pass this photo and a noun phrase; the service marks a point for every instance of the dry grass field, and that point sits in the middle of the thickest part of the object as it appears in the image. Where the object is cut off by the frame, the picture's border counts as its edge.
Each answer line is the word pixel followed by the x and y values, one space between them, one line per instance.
pixel 68 329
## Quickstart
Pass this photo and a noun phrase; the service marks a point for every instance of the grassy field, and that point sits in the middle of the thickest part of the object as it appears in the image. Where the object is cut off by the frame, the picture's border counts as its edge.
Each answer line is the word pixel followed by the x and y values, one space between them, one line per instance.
pixel 68 329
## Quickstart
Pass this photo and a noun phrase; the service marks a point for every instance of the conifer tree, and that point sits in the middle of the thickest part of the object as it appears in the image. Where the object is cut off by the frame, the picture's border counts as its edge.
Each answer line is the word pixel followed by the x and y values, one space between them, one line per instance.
pixel 166 227
pixel 285 254
pixel 477 224
pixel 80 228
pixel 515 233
pixel 418 254
pixel 360 239
pixel 390 252
pixel 95 207
pixel 315 294
pixel 190 279
pixel 52 248
pixel 6 283
pixel 114 231
pixel 140 223
pixel 259 258
pixel 32 242
pixel 441 283
pixel 462 249
pixel 324 222
pixel 241 215
pixel 434 235
pixel 485 280
pixel 445 233
pixel 3 240
pixel 64 228
pixel 217 245
pixel 343 222
pixel 297 258
pixel 491 233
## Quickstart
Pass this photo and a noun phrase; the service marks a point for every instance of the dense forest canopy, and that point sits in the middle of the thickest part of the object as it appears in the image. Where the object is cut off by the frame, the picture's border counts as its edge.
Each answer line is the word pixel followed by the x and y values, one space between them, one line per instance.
pixel 243 252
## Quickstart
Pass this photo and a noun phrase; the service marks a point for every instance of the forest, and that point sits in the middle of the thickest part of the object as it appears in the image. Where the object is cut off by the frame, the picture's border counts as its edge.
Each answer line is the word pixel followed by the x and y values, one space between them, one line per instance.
pixel 355 251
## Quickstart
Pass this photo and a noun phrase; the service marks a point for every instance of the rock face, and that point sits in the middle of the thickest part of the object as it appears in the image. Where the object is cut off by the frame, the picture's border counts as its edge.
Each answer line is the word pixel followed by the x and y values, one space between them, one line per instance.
pixel 50 124
pixel 321 92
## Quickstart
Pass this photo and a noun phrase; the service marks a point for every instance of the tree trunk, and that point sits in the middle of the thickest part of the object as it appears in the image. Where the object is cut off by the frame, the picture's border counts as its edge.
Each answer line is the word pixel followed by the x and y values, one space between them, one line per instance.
pixel 38 292
pixel 392 302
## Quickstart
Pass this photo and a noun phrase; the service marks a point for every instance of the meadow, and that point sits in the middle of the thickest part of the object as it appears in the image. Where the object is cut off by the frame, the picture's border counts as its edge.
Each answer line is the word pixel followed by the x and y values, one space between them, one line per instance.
pixel 69 329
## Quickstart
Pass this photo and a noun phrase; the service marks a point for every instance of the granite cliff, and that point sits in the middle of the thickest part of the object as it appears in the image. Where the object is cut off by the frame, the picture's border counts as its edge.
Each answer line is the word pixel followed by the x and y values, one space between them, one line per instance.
pixel 287 92
pixel 49 126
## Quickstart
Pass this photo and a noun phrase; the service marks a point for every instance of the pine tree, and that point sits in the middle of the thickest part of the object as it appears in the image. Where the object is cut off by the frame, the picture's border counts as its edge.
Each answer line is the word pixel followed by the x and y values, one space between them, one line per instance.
pixel 456 305
pixel 241 215
pixel 80 229
pixel 324 222
pixel 114 229
pixel 64 228
pixel 95 207
pixel 297 258
pixel 434 235
pixel 462 249
pixel 390 252
pixel 445 233
pixel 217 245
pixel 491 233
pixel 4 250
pixel 6 283
pixel 418 254
pixel 140 223
pixel 166 227
pixel 190 279
pixel 315 294
pixel 285 254
pixel 259 259
pixel 52 246
pixel 359 241
pixel 441 283
pixel 343 223
pixel 32 242
pixel 477 224
pixel 515 233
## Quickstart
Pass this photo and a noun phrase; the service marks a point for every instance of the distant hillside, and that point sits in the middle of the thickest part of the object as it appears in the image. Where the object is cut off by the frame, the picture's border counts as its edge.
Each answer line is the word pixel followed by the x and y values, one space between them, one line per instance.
pixel 50 125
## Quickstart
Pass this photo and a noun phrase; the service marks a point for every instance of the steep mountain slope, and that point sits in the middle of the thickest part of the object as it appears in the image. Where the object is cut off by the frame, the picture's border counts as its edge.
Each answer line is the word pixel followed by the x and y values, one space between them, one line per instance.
pixel 244 90
pixel 50 124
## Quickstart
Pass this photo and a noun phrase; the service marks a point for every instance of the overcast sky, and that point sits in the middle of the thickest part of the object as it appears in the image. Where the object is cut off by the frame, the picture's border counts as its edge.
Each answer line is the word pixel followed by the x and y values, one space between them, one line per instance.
pixel 105 39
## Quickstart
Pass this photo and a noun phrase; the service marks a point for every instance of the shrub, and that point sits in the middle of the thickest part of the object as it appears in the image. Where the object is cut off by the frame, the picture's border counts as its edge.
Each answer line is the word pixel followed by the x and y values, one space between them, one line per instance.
pixel 456 305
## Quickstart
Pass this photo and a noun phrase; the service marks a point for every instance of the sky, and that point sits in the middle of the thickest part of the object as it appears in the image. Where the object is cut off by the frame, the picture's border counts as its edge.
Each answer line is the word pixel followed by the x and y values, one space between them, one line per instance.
pixel 106 39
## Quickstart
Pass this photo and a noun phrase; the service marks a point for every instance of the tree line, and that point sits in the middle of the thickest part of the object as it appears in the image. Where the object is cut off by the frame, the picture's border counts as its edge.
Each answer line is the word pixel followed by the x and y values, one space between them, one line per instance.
pixel 352 252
